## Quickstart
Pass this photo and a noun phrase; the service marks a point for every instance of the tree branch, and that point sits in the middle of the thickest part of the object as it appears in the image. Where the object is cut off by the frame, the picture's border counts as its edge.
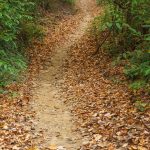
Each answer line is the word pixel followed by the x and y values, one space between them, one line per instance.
pixel 101 44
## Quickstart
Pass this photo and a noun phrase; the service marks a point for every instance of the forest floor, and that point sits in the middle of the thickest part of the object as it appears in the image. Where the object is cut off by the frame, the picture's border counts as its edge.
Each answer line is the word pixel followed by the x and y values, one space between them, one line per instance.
pixel 53 116
pixel 73 103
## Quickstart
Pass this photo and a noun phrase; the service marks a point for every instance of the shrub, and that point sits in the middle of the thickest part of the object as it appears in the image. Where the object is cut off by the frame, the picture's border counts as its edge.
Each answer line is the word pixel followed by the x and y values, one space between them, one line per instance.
pixel 16 21
pixel 128 25
pixel 45 4
pixel 28 32
pixel 138 69
pixel 11 65
pixel 70 1
pixel 127 22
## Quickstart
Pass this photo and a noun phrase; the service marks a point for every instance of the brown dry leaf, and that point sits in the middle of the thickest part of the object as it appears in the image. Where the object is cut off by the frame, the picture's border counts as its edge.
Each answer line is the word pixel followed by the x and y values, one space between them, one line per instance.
pixel 103 107
pixel 111 147
pixel 141 148
pixel 53 147
pixel 33 148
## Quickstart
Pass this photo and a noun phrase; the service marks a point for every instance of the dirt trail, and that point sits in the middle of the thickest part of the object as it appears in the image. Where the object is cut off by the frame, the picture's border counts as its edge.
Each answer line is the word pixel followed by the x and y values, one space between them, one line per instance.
pixel 52 115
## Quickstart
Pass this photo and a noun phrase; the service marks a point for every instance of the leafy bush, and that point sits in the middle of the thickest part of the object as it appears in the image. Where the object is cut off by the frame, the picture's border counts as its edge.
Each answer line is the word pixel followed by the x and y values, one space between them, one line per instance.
pixel 28 32
pixel 128 22
pixel 139 69
pixel 51 4
pixel 11 65
pixel 128 25
pixel 16 27
pixel 11 15
pixel 45 4
pixel 70 1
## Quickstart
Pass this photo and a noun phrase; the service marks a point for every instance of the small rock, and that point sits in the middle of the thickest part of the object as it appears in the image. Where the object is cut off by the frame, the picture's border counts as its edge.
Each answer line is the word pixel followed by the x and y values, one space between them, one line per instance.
pixel 125 145
pixel 15 148
pixel 85 142
pixel 97 137
pixel 95 115
pixel 61 148
pixel 108 115
pixel 5 127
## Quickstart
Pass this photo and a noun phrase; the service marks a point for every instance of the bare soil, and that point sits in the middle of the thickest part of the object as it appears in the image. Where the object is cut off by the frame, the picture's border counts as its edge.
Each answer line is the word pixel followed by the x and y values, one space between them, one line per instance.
pixel 53 116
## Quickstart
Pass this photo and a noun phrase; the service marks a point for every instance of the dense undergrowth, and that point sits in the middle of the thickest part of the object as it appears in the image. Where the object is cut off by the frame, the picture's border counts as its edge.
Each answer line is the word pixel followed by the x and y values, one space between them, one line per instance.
pixel 19 25
pixel 126 27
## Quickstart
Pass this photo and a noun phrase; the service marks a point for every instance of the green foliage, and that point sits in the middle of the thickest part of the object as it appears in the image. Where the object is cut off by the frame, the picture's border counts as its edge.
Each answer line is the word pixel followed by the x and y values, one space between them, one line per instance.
pixel 138 69
pixel 129 26
pixel 139 65
pixel 137 85
pixel 70 1
pixel 17 28
pixel 45 4
pixel 11 65
pixel 50 4
pixel 12 13
pixel 128 22
pixel 28 32
pixel 141 106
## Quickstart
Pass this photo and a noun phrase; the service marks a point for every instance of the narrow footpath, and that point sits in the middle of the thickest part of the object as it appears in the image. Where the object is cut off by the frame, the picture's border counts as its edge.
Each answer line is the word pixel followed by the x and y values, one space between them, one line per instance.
pixel 52 115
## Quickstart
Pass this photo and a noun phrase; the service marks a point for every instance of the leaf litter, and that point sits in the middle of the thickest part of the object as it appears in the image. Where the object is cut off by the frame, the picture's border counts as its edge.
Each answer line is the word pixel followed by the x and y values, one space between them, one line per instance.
pixel 17 125
pixel 107 118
